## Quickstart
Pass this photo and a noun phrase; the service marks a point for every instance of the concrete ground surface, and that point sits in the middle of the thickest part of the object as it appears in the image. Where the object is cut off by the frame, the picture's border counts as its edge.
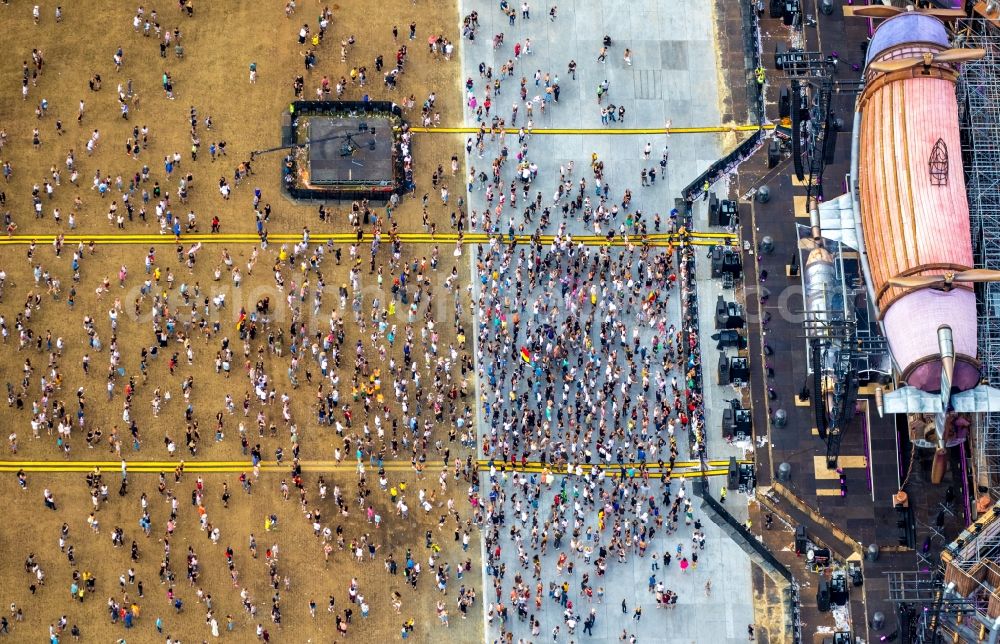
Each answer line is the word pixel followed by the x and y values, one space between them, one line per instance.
pixel 672 79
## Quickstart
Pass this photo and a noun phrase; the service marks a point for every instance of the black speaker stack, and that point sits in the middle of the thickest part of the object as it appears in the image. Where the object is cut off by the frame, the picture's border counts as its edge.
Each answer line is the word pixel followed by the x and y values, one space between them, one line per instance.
pixel 823 596
pixel 785 103
pixel 801 540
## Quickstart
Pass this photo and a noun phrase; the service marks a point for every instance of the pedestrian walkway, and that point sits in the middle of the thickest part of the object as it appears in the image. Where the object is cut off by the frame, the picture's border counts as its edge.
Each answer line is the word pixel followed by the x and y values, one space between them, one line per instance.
pixel 593 376
pixel 658 92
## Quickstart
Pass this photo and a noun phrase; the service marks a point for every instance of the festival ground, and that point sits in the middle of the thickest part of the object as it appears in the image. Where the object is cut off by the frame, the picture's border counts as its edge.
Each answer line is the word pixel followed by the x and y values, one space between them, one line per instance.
pixel 219 43
pixel 53 294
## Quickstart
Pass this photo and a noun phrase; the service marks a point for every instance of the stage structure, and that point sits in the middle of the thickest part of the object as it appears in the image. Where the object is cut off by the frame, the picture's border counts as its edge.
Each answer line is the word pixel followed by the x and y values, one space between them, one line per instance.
pixel 844 346
pixel 911 215
pixel 344 150
pixel 960 600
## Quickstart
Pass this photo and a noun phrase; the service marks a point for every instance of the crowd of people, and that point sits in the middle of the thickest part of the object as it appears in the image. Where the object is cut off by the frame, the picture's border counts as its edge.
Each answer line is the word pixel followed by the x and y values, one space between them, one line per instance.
pixel 577 358
pixel 585 365
pixel 407 314
pixel 571 378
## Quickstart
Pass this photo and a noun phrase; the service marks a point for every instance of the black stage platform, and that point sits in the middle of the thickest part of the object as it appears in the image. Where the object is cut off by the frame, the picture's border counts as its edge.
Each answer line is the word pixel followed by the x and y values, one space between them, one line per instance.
pixel 344 150
pixel 350 149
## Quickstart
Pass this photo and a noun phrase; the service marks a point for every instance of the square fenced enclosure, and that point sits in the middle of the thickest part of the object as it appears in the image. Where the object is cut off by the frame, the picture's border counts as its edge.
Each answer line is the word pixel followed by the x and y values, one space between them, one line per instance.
pixel 343 150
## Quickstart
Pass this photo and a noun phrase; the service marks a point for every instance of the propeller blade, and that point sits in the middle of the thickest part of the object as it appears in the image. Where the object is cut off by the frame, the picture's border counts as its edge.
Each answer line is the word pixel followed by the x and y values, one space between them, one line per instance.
pixel 895 65
pixel 946 56
pixel 916 281
pixel 959 55
pixel 943 14
pixel 876 11
pixel 978 275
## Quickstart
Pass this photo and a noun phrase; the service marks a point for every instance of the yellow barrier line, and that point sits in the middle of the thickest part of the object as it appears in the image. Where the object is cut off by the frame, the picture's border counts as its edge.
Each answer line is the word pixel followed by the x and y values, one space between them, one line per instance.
pixel 284 467
pixel 712 129
pixel 117 464
pixel 483 462
pixel 273 469
pixel 347 237
pixel 334 236
pixel 617 243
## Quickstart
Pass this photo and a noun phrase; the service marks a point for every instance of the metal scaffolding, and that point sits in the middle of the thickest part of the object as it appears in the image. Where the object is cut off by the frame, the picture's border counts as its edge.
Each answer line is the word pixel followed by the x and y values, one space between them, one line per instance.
pixel 965 603
pixel 931 609
pixel 979 110
pixel 959 599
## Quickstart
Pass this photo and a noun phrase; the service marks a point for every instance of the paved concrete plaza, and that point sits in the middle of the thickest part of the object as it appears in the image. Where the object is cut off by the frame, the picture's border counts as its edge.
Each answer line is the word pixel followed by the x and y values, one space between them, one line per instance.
pixel 724 614
pixel 673 77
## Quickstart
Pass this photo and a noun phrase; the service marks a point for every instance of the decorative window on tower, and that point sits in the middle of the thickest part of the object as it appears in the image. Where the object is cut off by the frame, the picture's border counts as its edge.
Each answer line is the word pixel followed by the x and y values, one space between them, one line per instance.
pixel 938 164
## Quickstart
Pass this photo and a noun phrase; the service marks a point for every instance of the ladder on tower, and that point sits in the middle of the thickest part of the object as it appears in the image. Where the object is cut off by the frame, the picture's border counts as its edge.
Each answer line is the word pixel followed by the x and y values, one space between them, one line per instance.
pixel 844 392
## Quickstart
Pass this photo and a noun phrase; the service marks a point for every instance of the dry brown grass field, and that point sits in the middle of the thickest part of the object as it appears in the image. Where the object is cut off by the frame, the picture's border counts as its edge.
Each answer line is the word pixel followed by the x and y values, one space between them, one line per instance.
pixel 219 43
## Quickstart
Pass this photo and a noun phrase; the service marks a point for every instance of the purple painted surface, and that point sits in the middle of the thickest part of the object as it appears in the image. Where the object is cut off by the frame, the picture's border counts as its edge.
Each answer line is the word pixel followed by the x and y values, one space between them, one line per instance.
pixel 911 325
pixel 905 28
pixel 868 452
pixel 928 376
pixel 965 487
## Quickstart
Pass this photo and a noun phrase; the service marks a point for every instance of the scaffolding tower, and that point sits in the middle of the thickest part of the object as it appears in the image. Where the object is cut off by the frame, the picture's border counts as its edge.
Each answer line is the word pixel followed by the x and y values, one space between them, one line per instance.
pixel 979 111
pixel 958 601
pixel 966 604
pixel 928 609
